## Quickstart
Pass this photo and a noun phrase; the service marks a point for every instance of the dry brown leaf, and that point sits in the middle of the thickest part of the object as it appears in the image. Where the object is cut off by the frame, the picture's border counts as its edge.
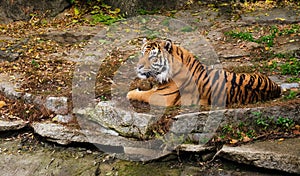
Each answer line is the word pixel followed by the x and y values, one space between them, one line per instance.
pixel 246 139
pixel 2 104
pixel 296 132
pixel 234 141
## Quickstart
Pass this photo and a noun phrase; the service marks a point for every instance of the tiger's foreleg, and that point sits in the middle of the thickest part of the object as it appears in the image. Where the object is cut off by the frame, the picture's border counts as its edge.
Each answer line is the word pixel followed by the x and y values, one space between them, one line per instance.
pixel 154 96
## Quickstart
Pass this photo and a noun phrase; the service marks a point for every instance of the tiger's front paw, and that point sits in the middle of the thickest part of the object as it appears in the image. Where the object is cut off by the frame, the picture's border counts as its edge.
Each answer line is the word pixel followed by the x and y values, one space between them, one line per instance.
pixel 132 95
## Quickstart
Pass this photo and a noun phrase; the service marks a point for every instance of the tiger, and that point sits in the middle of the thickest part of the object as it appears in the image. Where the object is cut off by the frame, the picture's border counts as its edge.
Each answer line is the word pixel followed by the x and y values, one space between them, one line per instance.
pixel 184 80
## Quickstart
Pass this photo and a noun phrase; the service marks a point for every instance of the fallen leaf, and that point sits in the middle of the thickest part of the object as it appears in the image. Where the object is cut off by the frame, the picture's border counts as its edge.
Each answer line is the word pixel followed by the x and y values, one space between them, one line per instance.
pixel 296 132
pixel 281 139
pixel 246 139
pixel 2 104
pixel 280 19
pixel 233 141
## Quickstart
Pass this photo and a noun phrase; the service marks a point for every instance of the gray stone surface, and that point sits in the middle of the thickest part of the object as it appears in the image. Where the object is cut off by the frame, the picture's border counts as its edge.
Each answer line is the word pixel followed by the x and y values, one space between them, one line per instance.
pixel 274 154
pixel 9 87
pixel 12 125
pixel 67 37
pixel 126 123
pixel 59 105
pixel 124 148
pixel 281 15
pixel 132 7
pixel 64 118
pixel 22 9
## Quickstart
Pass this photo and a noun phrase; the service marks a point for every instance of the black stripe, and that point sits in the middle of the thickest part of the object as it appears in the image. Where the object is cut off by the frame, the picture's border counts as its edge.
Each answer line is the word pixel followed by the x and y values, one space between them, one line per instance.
pixel 175 102
pixel 192 65
pixel 188 59
pixel 163 88
pixel 205 83
pixel 171 93
pixel 215 78
pixel 242 78
pixel 222 89
pixel 200 75
pixel 233 85
pixel 196 69
pixel 258 83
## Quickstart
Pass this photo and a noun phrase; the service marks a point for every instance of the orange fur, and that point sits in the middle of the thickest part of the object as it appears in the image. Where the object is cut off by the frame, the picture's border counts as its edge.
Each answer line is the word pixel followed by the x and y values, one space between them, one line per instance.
pixel 186 81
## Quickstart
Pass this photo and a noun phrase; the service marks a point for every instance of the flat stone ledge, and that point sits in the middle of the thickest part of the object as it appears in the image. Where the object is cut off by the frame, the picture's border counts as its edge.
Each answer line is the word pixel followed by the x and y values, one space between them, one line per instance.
pixel 12 125
pixel 279 155
pixel 277 15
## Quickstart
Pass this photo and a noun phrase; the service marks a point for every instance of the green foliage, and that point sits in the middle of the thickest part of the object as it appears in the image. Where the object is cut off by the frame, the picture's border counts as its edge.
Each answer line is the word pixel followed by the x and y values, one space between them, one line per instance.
pixel 241 35
pixel 103 98
pixel 273 66
pixel 291 95
pixel 293 79
pixel 226 129
pixel 187 29
pixel 104 18
pixel 285 122
pixel 267 39
pixel 263 122
pixel 35 63
pixel 147 12
pixel 267 122
pixel 257 114
pixel 292 67
pixel 100 12
pixel 258 125
pixel 295 28
pixel 250 133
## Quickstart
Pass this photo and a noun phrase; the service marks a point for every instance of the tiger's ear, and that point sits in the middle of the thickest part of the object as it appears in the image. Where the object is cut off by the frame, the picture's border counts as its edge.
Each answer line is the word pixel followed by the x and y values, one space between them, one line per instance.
pixel 168 45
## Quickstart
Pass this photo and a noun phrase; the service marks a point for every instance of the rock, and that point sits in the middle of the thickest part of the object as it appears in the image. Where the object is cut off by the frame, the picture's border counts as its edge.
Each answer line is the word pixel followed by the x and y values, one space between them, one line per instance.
pixel 59 105
pixel 11 53
pixel 252 45
pixel 8 87
pixel 67 37
pixel 132 7
pixel 18 158
pixel 28 97
pixel 279 15
pixel 124 148
pixel 8 56
pixel 63 118
pixel 194 148
pixel 58 133
pixel 126 123
pixel 233 53
pixel 22 9
pixel 215 35
pixel 285 86
pixel 12 125
pixel 287 48
pixel 280 155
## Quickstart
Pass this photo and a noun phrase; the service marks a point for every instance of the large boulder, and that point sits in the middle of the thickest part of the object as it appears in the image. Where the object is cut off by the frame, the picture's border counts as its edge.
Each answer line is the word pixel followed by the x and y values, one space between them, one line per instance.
pixel 22 9
pixel 133 7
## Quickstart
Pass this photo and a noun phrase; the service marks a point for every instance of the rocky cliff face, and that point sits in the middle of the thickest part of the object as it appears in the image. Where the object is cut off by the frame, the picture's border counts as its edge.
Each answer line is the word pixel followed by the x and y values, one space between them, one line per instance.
pixel 14 10
pixel 132 7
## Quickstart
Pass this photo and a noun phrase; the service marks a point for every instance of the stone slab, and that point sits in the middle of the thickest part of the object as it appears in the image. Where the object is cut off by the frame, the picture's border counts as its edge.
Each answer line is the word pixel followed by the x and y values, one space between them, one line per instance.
pixel 12 125
pixel 281 155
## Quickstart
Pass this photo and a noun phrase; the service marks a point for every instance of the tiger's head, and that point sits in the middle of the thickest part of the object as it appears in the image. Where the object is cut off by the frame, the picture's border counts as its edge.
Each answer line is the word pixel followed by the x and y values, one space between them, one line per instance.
pixel 155 60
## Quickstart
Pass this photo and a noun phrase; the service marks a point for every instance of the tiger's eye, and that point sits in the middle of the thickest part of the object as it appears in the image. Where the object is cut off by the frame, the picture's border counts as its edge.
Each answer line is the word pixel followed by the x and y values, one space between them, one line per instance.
pixel 154 59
